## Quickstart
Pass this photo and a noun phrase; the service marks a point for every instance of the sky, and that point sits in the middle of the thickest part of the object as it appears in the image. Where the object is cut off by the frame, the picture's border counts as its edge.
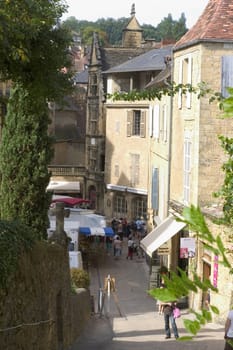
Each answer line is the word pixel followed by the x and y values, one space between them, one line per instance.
pixel 147 11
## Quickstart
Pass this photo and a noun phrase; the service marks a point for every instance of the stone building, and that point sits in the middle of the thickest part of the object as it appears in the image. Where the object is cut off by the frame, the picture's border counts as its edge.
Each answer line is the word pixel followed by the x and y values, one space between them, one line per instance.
pixel 101 60
pixel 133 134
pixel 80 158
pixel 203 54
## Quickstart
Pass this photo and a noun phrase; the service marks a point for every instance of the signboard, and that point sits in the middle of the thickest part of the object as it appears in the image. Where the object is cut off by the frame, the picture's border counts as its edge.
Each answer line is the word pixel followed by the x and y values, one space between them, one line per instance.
pixel 165 248
pixel 187 247
pixel 215 272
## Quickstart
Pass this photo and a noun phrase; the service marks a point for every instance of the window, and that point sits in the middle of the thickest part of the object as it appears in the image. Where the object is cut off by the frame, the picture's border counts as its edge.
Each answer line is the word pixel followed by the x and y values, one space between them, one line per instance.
pixel 136 123
pixel 187 170
pixel 93 84
pixel 120 205
pixel 139 207
pixel 116 170
pixel 92 161
pixel 227 74
pixel 135 169
pixel 185 77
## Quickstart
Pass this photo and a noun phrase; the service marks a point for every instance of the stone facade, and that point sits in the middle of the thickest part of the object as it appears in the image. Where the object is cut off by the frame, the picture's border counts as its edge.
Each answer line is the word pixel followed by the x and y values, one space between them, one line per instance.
pixel 38 310
pixel 197 156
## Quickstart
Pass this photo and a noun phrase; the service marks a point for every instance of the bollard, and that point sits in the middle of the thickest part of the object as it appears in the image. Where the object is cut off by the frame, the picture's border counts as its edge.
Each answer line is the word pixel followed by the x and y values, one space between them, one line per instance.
pixel 100 301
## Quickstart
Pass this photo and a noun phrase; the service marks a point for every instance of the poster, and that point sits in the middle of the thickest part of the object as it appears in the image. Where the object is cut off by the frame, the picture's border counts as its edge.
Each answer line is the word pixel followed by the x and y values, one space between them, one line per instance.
pixel 187 247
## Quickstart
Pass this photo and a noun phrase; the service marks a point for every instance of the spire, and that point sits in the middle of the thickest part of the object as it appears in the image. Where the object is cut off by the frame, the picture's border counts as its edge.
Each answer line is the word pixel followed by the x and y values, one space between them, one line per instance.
pixel 133 12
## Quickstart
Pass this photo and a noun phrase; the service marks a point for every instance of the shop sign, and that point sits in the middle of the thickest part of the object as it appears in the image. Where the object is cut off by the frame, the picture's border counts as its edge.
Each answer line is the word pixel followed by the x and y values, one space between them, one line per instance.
pixel 165 248
pixel 187 247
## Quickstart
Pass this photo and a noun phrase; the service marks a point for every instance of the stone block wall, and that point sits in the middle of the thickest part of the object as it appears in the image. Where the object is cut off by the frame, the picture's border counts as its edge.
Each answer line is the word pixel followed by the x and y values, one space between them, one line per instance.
pixel 38 310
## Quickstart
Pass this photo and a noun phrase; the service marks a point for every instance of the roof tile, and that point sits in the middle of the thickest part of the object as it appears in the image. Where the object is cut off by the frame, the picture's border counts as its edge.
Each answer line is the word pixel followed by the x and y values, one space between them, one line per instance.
pixel 215 24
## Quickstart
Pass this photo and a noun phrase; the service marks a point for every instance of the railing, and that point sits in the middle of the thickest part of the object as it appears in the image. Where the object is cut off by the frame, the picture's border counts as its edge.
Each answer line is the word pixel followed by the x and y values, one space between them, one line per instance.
pixel 67 170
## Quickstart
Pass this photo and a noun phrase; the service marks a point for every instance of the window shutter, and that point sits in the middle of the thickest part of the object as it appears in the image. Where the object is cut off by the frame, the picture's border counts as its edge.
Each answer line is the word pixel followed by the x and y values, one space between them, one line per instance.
pixel 165 123
pixel 129 123
pixel 227 74
pixel 156 122
pixel 150 121
pixel 180 82
pixel 155 189
pixel 188 100
pixel 143 124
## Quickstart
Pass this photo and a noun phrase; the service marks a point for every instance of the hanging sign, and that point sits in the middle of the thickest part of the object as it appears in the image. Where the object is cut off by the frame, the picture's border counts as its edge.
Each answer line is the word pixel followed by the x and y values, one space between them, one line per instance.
pixel 187 247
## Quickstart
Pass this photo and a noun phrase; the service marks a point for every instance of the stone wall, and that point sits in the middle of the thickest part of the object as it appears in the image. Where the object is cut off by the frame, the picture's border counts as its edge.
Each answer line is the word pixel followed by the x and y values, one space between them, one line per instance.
pixel 38 310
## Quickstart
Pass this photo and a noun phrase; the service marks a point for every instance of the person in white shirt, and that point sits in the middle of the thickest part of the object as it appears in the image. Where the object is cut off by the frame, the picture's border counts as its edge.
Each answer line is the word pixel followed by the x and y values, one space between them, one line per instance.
pixel 229 331
pixel 130 248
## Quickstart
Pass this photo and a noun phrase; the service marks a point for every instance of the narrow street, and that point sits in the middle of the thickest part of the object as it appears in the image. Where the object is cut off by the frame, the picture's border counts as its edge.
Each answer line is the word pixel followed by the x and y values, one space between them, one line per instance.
pixel 129 319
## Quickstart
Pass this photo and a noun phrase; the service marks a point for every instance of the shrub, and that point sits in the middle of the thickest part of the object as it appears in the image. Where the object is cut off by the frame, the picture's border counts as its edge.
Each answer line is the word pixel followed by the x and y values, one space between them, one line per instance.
pixel 80 278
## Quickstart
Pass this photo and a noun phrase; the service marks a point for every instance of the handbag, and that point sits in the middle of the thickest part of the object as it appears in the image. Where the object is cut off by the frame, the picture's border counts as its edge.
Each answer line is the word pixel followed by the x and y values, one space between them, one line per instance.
pixel 176 312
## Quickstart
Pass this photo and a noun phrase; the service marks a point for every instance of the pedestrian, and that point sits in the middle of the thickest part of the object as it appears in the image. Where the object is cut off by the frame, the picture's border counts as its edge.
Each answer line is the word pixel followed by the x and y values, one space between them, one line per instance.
pixel 229 331
pixel 120 229
pixel 117 246
pixel 207 300
pixel 130 248
pixel 159 302
pixel 169 317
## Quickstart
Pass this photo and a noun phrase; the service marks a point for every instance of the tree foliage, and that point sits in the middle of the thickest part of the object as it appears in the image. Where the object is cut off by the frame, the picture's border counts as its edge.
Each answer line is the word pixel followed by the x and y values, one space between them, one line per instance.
pixel 166 29
pixel 33 45
pixel 226 191
pixel 25 153
pixel 34 50
pixel 170 29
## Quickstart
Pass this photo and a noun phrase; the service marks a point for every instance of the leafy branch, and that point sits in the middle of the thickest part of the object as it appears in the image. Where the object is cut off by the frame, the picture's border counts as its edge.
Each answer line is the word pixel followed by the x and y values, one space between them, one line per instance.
pixel 171 89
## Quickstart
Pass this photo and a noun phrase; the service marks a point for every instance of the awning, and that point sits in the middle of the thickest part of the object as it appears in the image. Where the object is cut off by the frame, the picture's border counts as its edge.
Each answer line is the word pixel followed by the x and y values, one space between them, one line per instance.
pixel 97 231
pixel 161 234
pixel 71 201
pixel 64 186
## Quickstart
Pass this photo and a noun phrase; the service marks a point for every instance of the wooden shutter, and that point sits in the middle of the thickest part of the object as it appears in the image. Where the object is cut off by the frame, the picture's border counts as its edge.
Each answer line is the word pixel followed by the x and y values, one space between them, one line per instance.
pixel 155 189
pixel 156 124
pixel 129 123
pixel 165 123
pixel 150 121
pixel 227 74
pixel 143 124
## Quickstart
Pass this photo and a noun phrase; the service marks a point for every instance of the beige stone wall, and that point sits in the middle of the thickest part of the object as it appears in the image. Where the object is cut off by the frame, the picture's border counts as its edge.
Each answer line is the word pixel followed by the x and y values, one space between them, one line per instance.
pixel 202 125
pixel 37 311
pixel 119 147
pixel 219 274
pixel 119 150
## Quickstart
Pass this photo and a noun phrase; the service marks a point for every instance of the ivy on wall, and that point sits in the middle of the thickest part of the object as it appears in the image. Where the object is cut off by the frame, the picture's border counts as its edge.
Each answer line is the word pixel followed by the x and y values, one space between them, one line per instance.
pixel 14 239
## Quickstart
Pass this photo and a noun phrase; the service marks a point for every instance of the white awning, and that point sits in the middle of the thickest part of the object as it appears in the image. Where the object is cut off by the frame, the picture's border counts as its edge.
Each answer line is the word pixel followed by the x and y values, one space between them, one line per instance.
pixel 161 234
pixel 64 186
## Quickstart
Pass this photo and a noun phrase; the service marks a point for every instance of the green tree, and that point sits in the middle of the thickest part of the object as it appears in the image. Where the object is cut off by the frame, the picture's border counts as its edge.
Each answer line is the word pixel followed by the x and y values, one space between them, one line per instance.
pixel 25 153
pixel 170 29
pixel 166 29
pixel 34 51
pixel 87 35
